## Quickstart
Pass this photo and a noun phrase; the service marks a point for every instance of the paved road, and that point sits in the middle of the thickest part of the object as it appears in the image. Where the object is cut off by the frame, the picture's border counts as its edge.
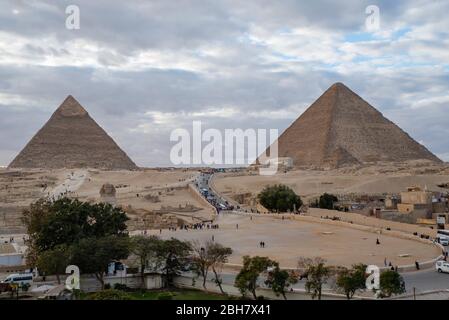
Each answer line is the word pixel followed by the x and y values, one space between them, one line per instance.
pixel 428 280
pixel 425 280
pixel 216 200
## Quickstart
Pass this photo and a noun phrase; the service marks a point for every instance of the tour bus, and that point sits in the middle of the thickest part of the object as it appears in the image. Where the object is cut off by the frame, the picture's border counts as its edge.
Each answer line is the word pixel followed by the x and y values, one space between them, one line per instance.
pixel 20 279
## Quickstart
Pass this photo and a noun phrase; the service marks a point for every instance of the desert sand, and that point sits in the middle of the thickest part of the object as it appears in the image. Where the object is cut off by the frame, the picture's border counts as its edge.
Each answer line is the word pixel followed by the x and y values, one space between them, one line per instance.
pixel 287 240
pixel 170 197
pixel 352 180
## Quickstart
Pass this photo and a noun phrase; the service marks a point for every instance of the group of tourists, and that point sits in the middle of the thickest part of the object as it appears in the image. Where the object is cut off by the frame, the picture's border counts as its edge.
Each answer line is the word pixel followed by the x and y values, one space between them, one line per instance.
pixel 195 226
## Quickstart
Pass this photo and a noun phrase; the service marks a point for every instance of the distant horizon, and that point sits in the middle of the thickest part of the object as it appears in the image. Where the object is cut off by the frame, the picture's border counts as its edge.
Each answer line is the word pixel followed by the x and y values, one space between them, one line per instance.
pixel 201 165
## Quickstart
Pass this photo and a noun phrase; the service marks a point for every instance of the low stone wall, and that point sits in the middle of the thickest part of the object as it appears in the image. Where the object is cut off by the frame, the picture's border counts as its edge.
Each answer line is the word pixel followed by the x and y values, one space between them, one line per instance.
pixel 359 219
pixel 393 233
pixel 214 189
pixel 197 196
pixel 88 283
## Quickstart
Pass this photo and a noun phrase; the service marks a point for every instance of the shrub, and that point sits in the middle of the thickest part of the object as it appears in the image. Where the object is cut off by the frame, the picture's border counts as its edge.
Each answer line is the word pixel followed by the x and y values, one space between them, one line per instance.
pixel 391 282
pixel 327 201
pixel 279 198
pixel 110 294
pixel 122 287
pixel 165 296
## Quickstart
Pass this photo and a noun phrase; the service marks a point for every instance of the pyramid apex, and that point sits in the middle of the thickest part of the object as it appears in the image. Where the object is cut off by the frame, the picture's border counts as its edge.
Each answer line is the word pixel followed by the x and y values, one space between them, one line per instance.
pixel 339 85
pixel 70 107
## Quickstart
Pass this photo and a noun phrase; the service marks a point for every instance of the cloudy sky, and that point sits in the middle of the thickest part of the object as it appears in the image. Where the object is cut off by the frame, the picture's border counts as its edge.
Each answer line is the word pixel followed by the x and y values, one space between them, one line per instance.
pixel 144 68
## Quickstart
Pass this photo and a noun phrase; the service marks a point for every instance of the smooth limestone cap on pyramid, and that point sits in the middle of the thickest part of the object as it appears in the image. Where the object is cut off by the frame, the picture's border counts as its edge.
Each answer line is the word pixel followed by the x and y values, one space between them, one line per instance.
pixel 72 139
pixel 340 128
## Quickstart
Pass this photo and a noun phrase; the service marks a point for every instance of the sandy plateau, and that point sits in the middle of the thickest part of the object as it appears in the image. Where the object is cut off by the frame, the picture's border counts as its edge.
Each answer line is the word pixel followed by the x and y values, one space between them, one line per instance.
pixel 376 179
pixel 152 198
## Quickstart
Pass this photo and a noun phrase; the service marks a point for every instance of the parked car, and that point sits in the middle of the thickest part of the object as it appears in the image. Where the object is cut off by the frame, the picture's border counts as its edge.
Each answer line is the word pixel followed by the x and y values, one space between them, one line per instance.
pixel 442 266
pixel 19 278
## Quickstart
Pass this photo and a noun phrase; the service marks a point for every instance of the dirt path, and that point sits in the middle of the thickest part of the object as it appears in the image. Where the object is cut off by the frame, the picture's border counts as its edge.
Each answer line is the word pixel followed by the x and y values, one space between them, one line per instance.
pixel 73 182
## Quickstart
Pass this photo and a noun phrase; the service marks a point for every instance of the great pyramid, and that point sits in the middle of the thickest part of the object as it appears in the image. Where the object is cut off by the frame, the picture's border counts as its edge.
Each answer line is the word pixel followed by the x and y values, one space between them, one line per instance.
pixel 340 128
pixel 72 139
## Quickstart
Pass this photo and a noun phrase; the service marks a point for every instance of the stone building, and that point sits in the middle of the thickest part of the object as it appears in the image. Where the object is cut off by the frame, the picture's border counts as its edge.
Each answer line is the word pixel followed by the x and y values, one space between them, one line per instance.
pixel 416 201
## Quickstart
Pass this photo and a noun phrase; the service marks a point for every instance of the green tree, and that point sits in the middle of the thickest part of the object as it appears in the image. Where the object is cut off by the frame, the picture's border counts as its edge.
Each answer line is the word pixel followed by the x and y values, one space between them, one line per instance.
pixel 350 280
pixel 391 282
pixel 327 201
pixel 144 248
pixel 246 279
pixel 66 221
pixel 317 275
pixel 54 261
pixel 279 198
pixel 93 255
pixel 279 280
pixel 172 257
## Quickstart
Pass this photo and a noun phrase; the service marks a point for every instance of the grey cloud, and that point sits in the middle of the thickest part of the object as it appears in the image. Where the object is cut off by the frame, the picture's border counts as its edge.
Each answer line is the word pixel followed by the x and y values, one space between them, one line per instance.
pixel 242 79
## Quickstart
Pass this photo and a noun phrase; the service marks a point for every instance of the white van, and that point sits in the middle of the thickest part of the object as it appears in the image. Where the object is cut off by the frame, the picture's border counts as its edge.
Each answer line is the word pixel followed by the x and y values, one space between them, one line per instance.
pixel 442 266
pixel 20 279
pixel 443 239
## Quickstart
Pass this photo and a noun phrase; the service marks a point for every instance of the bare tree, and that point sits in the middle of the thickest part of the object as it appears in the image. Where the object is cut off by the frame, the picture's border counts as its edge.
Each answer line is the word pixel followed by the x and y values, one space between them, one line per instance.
pixel 210 255
pixel 201 260
pixel 317 274
pixel 219 256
